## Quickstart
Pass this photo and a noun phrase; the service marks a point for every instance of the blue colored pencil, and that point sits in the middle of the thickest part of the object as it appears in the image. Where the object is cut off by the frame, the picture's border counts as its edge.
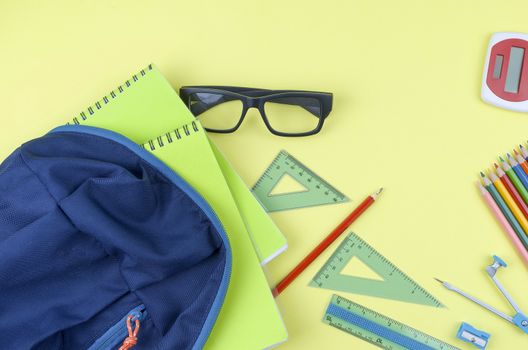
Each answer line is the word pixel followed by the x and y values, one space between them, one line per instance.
pixel 518 171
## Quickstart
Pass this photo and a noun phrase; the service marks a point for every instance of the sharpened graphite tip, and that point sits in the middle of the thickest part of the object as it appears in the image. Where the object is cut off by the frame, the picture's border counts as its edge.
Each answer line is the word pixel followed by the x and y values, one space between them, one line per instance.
pixel 439 280
pixel 376 194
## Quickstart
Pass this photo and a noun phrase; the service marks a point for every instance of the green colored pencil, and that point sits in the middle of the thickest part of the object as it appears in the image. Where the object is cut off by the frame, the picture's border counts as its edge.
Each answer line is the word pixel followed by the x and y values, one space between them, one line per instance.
pixel 503 207
pixel 515 179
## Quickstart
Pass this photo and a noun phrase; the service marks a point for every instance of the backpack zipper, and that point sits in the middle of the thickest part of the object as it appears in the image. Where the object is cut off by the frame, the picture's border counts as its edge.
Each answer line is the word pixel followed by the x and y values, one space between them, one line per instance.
pixel 115 335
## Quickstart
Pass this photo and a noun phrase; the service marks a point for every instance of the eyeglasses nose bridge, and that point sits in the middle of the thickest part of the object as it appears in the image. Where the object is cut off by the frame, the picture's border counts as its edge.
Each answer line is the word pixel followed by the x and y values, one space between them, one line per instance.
pixel 252 102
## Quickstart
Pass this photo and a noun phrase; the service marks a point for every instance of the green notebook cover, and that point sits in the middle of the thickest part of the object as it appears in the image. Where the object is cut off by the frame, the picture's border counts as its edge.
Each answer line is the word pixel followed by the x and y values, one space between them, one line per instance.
pixel 267 239
pixel 147 106
pixel 183 142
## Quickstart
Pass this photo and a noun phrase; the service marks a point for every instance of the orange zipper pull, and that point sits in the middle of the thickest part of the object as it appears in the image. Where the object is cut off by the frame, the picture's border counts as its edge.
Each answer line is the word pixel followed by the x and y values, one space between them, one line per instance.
pixel 132 339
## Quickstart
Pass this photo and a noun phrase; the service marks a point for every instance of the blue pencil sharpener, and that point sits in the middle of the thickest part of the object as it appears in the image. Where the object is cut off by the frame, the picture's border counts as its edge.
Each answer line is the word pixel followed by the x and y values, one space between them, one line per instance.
pixel 472 335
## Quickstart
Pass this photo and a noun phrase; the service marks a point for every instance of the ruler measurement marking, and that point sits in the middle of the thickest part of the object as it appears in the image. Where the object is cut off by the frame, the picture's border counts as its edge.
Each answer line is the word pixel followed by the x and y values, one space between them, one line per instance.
pixel 319 192
pixel 295 161
pixel 350 308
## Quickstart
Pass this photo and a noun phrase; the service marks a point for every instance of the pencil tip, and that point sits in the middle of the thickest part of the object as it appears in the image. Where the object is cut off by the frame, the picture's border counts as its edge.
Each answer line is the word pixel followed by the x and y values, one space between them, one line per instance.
pixel 482 174
pixel 515 152
pixel 439 280
pixel 501 159
pixel 496 165
pixel 508 155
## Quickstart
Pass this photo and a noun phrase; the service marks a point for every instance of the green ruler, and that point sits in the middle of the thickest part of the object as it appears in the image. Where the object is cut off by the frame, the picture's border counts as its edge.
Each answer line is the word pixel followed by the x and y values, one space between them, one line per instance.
pixel 395 285
pixel 317 191
pixel 378 329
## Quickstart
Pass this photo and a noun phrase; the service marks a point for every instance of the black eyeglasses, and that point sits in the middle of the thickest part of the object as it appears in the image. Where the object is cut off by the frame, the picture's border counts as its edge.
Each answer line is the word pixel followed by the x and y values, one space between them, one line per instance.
pixel 222 109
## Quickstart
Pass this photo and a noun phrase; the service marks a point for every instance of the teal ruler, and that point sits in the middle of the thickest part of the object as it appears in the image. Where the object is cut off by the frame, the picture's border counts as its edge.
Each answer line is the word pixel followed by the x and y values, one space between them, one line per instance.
pixel 378 329
pixel 394 285
pixel 316 190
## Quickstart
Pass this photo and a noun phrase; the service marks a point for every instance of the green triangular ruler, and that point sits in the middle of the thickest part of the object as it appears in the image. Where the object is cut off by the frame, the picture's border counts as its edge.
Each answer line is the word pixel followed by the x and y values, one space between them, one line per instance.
pixel 392 284
pixel 316 190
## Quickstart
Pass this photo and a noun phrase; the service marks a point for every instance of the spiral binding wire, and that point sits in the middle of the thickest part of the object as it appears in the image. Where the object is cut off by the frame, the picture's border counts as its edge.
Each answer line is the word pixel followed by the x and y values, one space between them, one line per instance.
pixel 152 145
pixel 114 94
pixel 170 137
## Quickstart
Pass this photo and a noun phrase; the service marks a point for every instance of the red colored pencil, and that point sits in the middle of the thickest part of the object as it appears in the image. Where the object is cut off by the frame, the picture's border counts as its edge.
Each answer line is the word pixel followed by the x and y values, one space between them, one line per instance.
pixel 512 190
pixel 326 243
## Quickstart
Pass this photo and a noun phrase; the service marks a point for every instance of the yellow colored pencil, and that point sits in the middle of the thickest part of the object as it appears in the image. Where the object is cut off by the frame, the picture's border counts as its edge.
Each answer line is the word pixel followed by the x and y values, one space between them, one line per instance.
pixel 509 201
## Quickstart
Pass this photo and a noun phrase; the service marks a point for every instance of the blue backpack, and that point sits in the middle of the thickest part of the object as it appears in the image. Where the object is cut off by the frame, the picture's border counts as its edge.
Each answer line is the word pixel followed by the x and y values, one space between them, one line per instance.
pixel 102 246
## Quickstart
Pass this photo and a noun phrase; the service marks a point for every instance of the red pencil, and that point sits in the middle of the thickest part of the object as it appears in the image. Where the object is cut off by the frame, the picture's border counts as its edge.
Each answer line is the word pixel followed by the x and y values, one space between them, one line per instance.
pixel 326 243
pixel 512 190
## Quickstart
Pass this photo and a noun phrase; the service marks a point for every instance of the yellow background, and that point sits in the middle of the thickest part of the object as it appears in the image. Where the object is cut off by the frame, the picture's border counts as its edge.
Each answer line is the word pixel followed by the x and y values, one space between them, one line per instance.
pixel 407 116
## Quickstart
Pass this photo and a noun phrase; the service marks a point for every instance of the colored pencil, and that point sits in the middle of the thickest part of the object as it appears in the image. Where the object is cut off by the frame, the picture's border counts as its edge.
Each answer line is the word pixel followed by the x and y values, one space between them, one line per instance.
pixel 504 223
pixel 360 209
pixel 518 170
pixel 524 152
pixel 512 190
pixel 504 208
pixel 510 202
pixel 521 161
pixel 514 179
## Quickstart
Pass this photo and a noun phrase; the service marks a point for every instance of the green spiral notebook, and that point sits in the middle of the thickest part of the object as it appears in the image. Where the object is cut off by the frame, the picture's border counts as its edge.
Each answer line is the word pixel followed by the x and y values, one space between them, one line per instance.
pixel 147 110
